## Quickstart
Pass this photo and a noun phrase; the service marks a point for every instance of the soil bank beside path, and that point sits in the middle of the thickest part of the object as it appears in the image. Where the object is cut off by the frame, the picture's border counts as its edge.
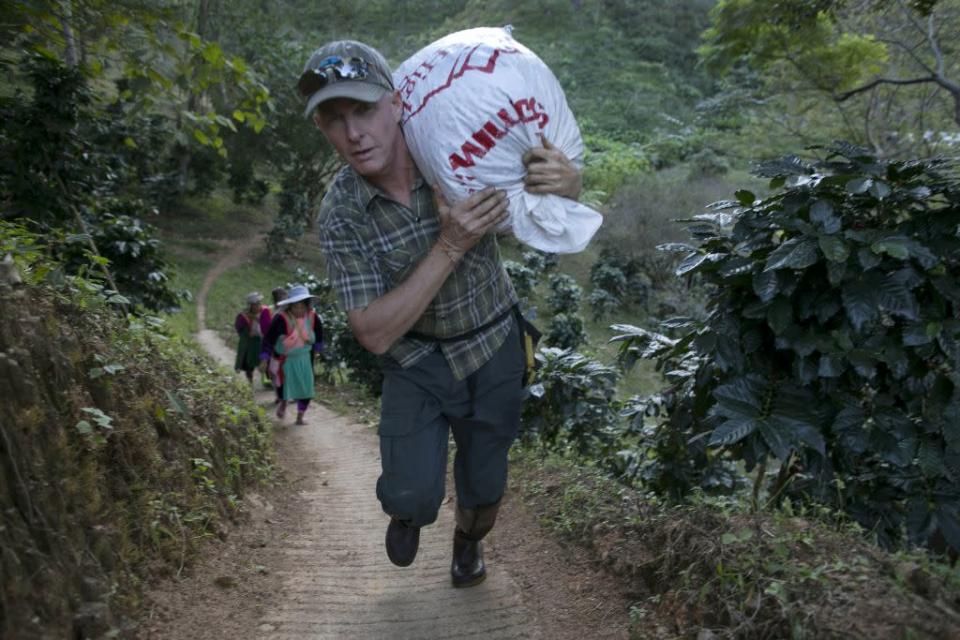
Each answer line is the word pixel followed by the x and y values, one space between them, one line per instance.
pixel 309 562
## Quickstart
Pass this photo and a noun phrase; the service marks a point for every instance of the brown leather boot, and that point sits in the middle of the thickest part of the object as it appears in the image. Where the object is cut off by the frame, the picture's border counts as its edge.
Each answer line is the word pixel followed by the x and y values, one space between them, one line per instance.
pixel 467 568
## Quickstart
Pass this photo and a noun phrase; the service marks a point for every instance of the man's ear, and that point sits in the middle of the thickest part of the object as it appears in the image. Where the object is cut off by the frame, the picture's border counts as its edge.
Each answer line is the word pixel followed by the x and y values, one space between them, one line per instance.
pixel 316 117
pixel 396 103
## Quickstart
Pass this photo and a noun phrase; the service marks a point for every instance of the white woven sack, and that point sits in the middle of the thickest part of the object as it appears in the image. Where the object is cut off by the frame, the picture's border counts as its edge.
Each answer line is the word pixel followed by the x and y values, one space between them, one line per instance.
pixel 473 103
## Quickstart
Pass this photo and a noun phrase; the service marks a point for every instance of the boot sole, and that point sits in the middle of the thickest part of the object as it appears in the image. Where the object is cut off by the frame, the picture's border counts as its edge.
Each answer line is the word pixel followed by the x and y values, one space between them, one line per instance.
pixel 472 582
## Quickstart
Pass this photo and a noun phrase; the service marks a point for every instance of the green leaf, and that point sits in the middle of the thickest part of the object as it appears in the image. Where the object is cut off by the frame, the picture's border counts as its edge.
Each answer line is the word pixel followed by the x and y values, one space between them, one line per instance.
pixel 859 185
pixel 896 298
pixel 744 197
pixel 860 301
pixel 880 190
pixel 176 403
pixel 863 363
pixel 694 260
pixel 868 259
pixel 732 431
pixel 831 366
pixel 201 137
pixel 780 315
pixel 916 335
pixel 848 424
pixel 84 427
pixel 930 459
pixel 212 53
pixel 834 248
pixel 821 212
pixel 766 285
pixel 894 246
pixel 775 439
pixel 796 253
pixel 740 397
pixel 735 266
pixel 239 115
pixel 836 272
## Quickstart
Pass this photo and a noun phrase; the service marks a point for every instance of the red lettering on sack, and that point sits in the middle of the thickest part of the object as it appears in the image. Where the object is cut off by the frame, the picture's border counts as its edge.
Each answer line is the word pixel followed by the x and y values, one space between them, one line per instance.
pixel 470 151
pixel 491 128
pixel 484 139
pixel 528 110
pixel 507 120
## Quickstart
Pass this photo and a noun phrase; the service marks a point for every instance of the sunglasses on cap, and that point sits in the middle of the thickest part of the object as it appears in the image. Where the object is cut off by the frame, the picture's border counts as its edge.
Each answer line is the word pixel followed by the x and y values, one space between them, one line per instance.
pixel 330 70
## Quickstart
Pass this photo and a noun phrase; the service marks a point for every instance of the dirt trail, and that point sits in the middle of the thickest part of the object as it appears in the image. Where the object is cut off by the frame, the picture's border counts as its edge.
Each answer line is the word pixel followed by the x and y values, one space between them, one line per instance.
pixel 310 561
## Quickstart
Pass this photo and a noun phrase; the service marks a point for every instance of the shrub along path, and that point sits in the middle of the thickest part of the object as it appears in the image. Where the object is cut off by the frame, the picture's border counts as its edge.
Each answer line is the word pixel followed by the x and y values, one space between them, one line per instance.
pixel 310 563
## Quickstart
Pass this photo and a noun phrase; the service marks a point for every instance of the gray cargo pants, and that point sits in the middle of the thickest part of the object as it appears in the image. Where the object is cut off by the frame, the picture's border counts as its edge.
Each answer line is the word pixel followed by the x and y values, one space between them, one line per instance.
pixel 419 406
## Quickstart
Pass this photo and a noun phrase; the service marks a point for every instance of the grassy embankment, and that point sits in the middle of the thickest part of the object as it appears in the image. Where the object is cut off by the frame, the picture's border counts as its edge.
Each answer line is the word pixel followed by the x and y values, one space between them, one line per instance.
pixel 124 449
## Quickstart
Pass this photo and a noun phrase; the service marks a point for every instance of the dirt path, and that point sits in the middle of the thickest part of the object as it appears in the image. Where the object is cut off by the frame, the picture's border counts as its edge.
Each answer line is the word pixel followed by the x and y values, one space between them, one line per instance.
pixel 309 562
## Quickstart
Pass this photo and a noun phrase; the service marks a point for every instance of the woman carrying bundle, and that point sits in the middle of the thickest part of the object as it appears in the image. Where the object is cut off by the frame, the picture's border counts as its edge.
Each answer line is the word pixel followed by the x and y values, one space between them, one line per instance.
pixel 294 336
pixel 250 325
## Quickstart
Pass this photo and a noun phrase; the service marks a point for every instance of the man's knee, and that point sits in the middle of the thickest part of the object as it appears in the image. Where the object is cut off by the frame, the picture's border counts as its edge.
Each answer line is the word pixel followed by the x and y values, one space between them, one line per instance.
pixel 418 505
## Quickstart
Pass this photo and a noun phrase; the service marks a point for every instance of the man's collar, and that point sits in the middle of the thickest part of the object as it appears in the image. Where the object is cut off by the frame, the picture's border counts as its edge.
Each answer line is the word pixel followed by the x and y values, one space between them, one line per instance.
pixel 367 191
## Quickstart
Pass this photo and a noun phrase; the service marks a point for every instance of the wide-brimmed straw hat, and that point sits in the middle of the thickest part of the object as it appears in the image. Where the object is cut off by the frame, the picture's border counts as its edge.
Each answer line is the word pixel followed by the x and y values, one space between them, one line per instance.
pixel 297 293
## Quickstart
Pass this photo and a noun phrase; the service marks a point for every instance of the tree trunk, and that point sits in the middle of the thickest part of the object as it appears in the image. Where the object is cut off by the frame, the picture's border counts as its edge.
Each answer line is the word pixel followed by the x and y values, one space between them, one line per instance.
pixel 207 11
pixel 70 57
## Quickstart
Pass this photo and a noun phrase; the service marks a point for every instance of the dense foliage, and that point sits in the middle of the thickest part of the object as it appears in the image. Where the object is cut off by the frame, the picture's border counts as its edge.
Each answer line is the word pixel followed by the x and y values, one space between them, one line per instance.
pixel 618 282
pixel 571 406
pixel 831 344
pixel 566 324
pixel 121 450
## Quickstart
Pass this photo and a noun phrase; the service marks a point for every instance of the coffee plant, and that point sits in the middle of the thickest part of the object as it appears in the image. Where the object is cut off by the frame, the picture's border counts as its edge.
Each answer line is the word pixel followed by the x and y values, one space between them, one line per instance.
pixel 617 281
pixel 539 262
pixel 565 331
pixel 572 405
pixel 603 303
pixel 831 345
pixel 523 277
pixel 566 327
pixel 565 294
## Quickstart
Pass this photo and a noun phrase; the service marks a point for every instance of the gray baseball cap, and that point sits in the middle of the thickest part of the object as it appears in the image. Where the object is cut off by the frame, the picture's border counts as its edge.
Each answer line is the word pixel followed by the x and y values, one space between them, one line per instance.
pixel 344 69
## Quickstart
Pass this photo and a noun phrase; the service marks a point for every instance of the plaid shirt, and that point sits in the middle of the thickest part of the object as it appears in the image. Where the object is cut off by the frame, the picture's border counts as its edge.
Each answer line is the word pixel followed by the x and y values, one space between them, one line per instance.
pixel 371 243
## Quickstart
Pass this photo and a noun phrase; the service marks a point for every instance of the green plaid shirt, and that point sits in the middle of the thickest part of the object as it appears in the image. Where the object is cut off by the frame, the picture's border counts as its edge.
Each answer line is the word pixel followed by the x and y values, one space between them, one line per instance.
pixel 371 243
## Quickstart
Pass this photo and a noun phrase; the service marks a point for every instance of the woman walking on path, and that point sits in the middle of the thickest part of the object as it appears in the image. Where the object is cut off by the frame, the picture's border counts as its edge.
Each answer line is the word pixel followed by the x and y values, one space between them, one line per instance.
pixel 250 328
pixel 294 335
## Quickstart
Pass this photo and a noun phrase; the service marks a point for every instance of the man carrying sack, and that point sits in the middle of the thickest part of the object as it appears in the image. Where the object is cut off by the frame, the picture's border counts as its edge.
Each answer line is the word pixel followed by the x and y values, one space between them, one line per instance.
pixel 423 287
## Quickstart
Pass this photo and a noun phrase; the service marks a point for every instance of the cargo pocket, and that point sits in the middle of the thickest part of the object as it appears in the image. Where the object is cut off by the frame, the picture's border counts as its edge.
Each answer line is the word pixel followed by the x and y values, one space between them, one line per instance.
pixel 404 408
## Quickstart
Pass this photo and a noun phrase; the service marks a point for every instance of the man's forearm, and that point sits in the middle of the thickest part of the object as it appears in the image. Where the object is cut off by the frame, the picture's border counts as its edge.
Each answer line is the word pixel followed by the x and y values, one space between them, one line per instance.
pixel 386 319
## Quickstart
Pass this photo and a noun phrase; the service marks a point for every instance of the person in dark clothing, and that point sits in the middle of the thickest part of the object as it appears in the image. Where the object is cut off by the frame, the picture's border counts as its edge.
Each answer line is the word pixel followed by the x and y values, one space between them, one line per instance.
pixel 423 287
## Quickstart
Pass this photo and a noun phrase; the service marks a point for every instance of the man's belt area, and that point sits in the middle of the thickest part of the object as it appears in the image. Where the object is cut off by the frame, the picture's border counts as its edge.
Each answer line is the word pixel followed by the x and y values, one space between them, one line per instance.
pixel 462 336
